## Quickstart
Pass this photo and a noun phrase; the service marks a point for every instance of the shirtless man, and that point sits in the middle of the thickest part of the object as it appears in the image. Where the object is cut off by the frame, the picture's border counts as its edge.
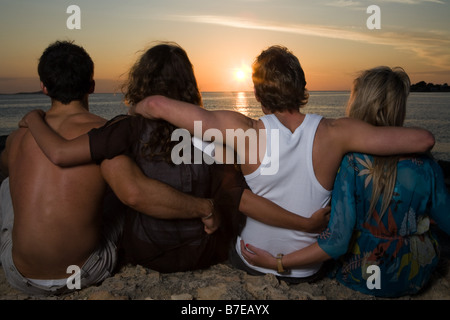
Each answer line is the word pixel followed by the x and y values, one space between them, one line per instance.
pixel 57 212
pixel 299 169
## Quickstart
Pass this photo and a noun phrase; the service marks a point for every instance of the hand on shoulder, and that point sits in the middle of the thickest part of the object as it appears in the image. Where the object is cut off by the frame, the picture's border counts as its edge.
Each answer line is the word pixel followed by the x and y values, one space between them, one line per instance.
pixel 30 116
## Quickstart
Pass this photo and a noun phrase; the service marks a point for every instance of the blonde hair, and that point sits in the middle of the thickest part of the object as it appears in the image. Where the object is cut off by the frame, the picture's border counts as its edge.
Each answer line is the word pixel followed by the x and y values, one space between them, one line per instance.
pixel 379 97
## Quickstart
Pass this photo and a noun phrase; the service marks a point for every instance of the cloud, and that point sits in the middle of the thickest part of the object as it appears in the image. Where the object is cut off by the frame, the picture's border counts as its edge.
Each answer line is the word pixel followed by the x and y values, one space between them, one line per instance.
pixel 344 3
pixel 348 5
pixel 358 5
pixel 431 46
pixel 414 1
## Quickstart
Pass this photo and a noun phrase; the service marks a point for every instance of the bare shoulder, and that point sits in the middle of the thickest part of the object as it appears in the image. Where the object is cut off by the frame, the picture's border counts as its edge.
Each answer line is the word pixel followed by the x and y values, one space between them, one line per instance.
pixel 334 134
pixel 15 136
pixel 324 127
pixel 92 117
pixel 87 120
pixel 256 124
pixel 340 128
pixel 337 123
pixel 97 121
pixel 12 144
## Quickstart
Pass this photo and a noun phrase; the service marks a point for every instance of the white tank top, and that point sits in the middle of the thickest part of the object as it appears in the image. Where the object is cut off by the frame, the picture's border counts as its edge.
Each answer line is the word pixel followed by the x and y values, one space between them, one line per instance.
pixel 293 187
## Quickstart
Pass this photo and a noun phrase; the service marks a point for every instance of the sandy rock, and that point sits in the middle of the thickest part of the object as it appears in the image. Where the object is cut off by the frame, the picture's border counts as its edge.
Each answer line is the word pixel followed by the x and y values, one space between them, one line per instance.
pixel 212 292
pixel 105 295
pixel 223 282
pixel 183 296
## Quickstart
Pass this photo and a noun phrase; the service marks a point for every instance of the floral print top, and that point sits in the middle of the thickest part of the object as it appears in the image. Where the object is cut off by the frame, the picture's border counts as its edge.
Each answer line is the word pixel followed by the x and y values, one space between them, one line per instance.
pixel 400 249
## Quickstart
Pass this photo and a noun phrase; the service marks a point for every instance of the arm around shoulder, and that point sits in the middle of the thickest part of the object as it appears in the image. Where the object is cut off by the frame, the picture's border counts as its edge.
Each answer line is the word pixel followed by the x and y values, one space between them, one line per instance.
pixel 359 136
pixel 185 115
pixel 58 150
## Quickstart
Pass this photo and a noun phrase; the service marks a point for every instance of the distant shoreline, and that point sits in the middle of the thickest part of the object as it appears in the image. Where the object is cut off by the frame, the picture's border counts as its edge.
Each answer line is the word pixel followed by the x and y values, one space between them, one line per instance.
pixel 311 91
pixel 231 91
pixel 35 92
pixel 422 86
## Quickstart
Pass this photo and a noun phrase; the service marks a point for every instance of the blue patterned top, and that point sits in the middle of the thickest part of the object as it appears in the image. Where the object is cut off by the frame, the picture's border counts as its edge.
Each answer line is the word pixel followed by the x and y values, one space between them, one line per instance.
pixel 401 246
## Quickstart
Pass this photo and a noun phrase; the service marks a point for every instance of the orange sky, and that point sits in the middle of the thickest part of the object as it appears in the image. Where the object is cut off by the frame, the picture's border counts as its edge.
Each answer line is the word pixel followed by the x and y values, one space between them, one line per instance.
pixel 330 38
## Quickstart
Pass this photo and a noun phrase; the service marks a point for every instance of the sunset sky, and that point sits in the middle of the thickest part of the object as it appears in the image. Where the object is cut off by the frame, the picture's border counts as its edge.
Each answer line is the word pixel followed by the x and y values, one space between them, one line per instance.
pixel 222 38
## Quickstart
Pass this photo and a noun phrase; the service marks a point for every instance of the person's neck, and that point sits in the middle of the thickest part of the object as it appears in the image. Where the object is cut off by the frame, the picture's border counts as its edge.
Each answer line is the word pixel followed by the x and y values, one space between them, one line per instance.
pixel 73 107
pixel 290 119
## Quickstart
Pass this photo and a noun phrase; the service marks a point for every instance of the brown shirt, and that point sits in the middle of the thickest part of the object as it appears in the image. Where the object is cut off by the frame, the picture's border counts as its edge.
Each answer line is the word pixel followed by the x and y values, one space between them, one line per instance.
pixel 180 244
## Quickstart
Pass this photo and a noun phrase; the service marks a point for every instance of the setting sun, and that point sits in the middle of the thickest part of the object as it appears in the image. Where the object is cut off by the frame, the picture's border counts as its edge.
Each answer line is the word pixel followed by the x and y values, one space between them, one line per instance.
pixel 239 74
pixel 240 77
pixel 243 73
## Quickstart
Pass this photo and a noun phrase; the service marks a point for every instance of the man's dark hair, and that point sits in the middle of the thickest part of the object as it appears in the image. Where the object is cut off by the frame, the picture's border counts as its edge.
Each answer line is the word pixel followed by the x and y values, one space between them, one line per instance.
pixel 66 70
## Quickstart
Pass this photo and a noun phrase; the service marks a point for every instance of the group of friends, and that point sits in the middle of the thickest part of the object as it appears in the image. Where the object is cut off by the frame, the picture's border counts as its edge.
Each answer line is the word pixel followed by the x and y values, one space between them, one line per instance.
pixel 81 190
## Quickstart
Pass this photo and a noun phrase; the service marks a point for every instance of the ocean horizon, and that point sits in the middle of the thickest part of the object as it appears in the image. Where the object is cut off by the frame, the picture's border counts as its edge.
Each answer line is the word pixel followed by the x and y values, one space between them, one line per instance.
pixel 429 110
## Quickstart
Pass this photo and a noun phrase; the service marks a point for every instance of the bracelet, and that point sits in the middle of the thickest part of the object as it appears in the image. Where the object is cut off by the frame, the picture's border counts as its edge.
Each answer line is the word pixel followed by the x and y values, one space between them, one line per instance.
pixel 212 210
pixel 208 216
pixel 279 263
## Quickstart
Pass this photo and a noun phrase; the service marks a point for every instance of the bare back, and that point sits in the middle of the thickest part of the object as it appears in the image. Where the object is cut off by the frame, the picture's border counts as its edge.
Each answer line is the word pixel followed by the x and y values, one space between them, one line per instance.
pixel 57 210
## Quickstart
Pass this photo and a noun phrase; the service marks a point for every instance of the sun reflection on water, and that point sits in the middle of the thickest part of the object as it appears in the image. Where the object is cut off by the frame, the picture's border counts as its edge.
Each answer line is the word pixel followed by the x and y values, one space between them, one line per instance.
pixel 241 104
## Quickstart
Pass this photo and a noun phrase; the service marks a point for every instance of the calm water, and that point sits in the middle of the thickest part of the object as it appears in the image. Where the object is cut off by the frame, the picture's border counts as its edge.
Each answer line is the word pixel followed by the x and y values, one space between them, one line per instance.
pixel 427 110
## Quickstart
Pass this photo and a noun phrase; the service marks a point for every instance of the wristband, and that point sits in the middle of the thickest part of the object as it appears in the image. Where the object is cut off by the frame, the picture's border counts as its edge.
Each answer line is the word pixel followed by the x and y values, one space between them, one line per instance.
pixel 212 210
pixel 208 216
pixel 279 263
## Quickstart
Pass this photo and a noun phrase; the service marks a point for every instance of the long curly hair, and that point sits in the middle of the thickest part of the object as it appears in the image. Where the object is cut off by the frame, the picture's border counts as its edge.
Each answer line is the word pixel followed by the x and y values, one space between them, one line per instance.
pixel 164 69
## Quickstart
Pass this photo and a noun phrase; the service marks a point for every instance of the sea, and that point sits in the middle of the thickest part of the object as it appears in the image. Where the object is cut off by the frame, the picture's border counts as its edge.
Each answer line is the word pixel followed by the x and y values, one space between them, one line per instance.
pixel 429 110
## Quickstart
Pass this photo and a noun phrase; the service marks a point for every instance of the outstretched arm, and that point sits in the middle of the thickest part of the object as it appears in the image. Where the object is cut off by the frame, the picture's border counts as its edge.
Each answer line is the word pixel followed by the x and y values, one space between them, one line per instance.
pixel 184 115
pixel 359 136
pixel 265 211
pixel 153 197
pixel 58 150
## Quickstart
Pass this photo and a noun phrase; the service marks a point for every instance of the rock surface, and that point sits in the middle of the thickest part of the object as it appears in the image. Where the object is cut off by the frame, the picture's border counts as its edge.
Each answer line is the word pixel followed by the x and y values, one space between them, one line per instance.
pixel 222 282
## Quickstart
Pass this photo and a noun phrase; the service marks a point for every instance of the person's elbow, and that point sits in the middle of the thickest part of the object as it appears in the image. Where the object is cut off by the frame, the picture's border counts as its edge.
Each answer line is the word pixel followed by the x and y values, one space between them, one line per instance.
pixel 338 248
pixel 339 251
pixel 130 196
pixel 151 106
pixel 58 158
pixel 428 141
